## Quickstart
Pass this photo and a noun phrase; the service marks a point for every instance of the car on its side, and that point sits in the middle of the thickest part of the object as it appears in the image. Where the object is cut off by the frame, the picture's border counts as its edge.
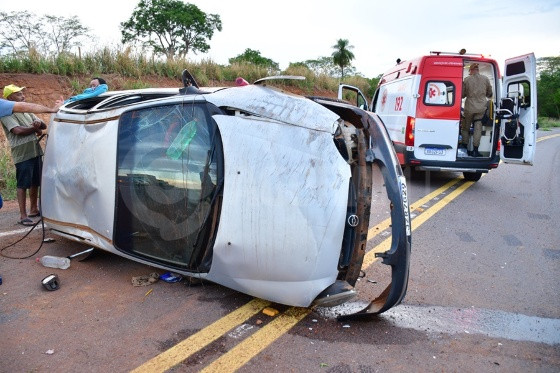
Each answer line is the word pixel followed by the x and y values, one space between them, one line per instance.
pixel 261 191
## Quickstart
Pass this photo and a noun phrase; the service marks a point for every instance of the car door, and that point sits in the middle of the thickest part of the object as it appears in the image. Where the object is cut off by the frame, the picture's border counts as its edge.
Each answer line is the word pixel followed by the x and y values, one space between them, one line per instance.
pixel 518 110
pixel 351 93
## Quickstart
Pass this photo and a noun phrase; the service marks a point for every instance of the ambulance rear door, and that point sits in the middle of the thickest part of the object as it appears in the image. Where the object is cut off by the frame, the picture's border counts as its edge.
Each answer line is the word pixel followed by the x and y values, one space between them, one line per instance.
pixel 438 111
pixel 518 110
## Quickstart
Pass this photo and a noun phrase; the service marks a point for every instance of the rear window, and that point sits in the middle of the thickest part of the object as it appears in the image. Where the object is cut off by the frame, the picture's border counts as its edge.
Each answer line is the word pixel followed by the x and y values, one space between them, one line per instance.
pixel 515 68
pixel 439 93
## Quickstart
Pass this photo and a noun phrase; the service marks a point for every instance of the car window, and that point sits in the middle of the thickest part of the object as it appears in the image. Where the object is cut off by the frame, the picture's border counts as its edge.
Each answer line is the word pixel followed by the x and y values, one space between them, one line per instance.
pixel 167 178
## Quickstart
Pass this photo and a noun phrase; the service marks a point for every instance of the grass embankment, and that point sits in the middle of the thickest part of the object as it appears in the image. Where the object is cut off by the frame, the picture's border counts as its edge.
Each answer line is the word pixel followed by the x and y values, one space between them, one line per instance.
pixel 134 67
pixel 546 124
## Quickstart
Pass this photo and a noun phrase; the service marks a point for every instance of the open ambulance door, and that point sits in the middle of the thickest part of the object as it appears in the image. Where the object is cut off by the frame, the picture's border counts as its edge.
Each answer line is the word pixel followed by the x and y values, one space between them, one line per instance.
pixel 517 110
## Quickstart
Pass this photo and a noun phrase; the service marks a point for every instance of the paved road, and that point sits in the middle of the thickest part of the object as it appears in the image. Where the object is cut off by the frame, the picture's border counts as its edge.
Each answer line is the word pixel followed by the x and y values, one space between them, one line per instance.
pixel 483 296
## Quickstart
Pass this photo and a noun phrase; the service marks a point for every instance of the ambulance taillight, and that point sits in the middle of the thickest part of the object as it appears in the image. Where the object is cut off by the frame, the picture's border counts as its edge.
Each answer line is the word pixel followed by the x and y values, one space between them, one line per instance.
pixel 409 133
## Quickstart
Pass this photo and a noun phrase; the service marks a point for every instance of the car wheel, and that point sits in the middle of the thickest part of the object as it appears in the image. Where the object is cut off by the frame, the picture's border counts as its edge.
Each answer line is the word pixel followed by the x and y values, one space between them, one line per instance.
pixel 472 176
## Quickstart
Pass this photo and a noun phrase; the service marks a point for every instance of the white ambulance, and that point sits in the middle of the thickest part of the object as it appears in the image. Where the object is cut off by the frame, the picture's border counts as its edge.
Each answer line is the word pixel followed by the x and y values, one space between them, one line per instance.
pixel 421 106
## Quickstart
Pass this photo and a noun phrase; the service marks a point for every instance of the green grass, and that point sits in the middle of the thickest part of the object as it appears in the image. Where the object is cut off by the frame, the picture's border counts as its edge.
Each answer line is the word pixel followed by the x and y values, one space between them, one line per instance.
pixel 546 124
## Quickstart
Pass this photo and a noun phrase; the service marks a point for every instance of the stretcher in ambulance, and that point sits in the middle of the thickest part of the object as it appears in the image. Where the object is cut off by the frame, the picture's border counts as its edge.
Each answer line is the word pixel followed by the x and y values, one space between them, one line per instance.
pixel 420 102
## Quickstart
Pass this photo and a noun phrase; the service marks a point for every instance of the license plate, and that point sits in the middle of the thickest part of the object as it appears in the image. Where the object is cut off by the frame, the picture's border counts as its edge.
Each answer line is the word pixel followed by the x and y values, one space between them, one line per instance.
pixel 434 151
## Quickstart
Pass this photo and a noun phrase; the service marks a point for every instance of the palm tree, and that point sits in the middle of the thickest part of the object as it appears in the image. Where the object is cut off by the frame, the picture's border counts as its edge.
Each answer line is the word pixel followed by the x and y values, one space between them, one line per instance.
pixel 342 55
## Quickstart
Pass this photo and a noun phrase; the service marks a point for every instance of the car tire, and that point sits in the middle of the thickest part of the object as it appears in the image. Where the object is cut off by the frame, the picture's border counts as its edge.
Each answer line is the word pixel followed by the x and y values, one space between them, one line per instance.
pixel 472 176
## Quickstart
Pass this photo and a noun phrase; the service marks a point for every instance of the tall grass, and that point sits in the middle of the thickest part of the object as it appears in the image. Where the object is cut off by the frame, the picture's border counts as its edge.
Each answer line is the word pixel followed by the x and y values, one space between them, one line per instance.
pixel 546 124
pixel 128 64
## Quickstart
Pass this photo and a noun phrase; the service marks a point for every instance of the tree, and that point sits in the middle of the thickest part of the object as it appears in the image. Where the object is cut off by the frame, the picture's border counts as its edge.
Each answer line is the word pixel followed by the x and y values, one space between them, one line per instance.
pixel 20 31
pixel 64 33
pixel 254 57
pixel 170 27
pixel 373 83
pixel 548 87
pixel 24 31
pixel 320 66
pixel 342 56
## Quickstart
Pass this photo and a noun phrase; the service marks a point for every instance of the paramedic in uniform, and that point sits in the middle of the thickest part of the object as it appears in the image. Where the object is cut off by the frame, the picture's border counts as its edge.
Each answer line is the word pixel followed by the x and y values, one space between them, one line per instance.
pixel 476 89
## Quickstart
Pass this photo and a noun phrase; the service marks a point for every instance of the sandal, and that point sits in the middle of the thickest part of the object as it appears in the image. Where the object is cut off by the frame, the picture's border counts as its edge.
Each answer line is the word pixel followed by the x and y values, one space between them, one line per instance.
pixel 34 215
pixel 27 222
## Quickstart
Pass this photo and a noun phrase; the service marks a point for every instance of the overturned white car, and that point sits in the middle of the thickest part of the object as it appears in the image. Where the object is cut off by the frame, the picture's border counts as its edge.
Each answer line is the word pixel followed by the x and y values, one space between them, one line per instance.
pixel 261 191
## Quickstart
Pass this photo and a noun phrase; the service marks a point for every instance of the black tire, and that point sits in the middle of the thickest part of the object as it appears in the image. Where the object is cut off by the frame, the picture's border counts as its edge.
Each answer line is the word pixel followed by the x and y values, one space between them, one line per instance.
pixel 472 176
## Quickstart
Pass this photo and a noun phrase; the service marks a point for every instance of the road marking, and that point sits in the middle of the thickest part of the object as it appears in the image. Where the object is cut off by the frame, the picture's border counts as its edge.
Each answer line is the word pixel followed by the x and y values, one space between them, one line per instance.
pixel 17 231
pixel 242 353
pixel 181 351
pixel 249 348
pixel 369 258
pixel 387 222
pixel 547 137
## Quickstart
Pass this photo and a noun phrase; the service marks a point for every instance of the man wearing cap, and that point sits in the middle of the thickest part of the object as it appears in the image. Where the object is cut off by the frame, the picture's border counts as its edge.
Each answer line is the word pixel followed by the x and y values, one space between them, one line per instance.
pixel 21 130
pixel 476 89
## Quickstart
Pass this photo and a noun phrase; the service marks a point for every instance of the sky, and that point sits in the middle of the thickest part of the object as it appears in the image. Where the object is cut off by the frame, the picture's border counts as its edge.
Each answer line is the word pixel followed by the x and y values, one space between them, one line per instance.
pixel 380 32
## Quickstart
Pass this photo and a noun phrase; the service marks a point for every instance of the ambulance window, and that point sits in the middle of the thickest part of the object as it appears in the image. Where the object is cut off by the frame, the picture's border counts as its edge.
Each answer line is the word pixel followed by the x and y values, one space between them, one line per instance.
pixel 439 93
pixel 520 91
pixel 515 68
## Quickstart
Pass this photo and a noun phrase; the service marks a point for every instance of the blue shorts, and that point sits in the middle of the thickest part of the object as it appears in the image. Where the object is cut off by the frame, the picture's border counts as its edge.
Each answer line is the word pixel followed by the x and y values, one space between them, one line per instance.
pixel 28 173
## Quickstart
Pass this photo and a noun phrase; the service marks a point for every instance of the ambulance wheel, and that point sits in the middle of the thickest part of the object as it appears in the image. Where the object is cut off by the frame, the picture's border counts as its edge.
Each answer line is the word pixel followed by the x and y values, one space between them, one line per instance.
pixel 472 176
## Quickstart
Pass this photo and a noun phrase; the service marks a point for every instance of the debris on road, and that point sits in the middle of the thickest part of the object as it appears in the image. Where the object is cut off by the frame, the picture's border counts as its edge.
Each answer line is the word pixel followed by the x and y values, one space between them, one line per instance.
pixel 269 311
pixel 171 277
pixel 145 280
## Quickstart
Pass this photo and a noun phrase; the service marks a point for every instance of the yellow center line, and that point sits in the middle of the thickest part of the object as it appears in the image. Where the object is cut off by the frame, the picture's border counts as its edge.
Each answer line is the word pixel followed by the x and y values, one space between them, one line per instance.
pixel 387 222
pixel 547 137
pixel 250 347
pixel 196 342
pixel 369 258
